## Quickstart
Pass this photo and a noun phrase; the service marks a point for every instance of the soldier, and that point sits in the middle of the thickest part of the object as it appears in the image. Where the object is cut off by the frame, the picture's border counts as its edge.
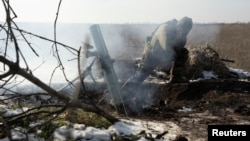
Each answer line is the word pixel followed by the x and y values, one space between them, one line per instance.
pixel 164 47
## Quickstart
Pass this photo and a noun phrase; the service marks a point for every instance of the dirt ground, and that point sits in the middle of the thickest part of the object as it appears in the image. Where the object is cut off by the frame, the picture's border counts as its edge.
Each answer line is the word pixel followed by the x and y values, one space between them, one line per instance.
pixel 190 105
pixel 194 106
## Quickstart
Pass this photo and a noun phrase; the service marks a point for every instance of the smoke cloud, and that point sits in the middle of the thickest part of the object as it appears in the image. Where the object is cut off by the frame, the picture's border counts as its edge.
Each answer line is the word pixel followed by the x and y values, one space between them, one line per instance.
pixel 203 33
pixel 125 44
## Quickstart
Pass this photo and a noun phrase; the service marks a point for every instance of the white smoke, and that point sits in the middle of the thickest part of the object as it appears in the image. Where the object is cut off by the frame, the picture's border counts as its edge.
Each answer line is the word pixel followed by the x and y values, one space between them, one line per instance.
pixel 124 40
pixel 125 44
pixel 202 34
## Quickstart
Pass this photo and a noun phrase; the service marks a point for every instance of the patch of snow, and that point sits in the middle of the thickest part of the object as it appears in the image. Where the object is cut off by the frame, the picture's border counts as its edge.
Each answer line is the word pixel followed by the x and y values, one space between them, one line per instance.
pixel 161 74
pixel 37 123
pixel 3 109
pixel 62 133
pixel 209 75
pixel 126 128
pixel 18 134
pixel 240 73
pixel 45 97
pixel 195 80
pixel 90 133
pixel 5 98
pixel 206 75
pixel 154 80
pixel 79 126
pixel 81 132
pixel 11 112
pixel 123 128
pixel 142 139
pixel 185 109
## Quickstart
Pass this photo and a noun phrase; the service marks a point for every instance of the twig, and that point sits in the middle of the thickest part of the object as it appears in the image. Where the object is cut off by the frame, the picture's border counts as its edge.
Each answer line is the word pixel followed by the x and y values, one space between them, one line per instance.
pixel 11 33
pixel 28 43
pixel 227 60
pixel 60 65
pixel 14 68
pixel 69 48
pixel 35 111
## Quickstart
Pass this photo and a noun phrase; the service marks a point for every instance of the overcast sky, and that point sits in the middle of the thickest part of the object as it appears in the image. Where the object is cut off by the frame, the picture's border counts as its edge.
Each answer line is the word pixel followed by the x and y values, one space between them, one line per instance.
pixel 130 11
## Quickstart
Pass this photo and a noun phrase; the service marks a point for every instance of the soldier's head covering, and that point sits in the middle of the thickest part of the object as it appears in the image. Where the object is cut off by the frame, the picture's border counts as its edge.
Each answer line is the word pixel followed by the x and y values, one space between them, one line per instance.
pixel 184 25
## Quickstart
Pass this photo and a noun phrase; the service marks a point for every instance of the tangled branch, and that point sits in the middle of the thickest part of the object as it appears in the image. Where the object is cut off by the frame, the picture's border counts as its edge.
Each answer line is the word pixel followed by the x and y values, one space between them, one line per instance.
pixel 11 69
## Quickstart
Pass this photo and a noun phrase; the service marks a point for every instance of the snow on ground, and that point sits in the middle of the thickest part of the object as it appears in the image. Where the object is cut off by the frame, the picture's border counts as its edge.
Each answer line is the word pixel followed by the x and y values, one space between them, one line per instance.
pixel 206 75
pixel 185 109
pixel 6 112
pixel 16 135
pixel 125 128
pixel 240 73
pixel 209 75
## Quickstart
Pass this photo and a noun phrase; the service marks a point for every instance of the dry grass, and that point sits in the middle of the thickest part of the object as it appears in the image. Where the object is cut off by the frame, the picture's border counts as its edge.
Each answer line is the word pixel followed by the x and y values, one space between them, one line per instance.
pixel 204 58
pixel 87 118
pixel 231 41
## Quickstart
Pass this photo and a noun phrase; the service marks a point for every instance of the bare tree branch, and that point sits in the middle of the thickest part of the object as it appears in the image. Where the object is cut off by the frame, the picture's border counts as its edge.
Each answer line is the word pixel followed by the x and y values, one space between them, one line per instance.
pixel 60 65
pixel 11 33
pixel 28 43
pixel 15 69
